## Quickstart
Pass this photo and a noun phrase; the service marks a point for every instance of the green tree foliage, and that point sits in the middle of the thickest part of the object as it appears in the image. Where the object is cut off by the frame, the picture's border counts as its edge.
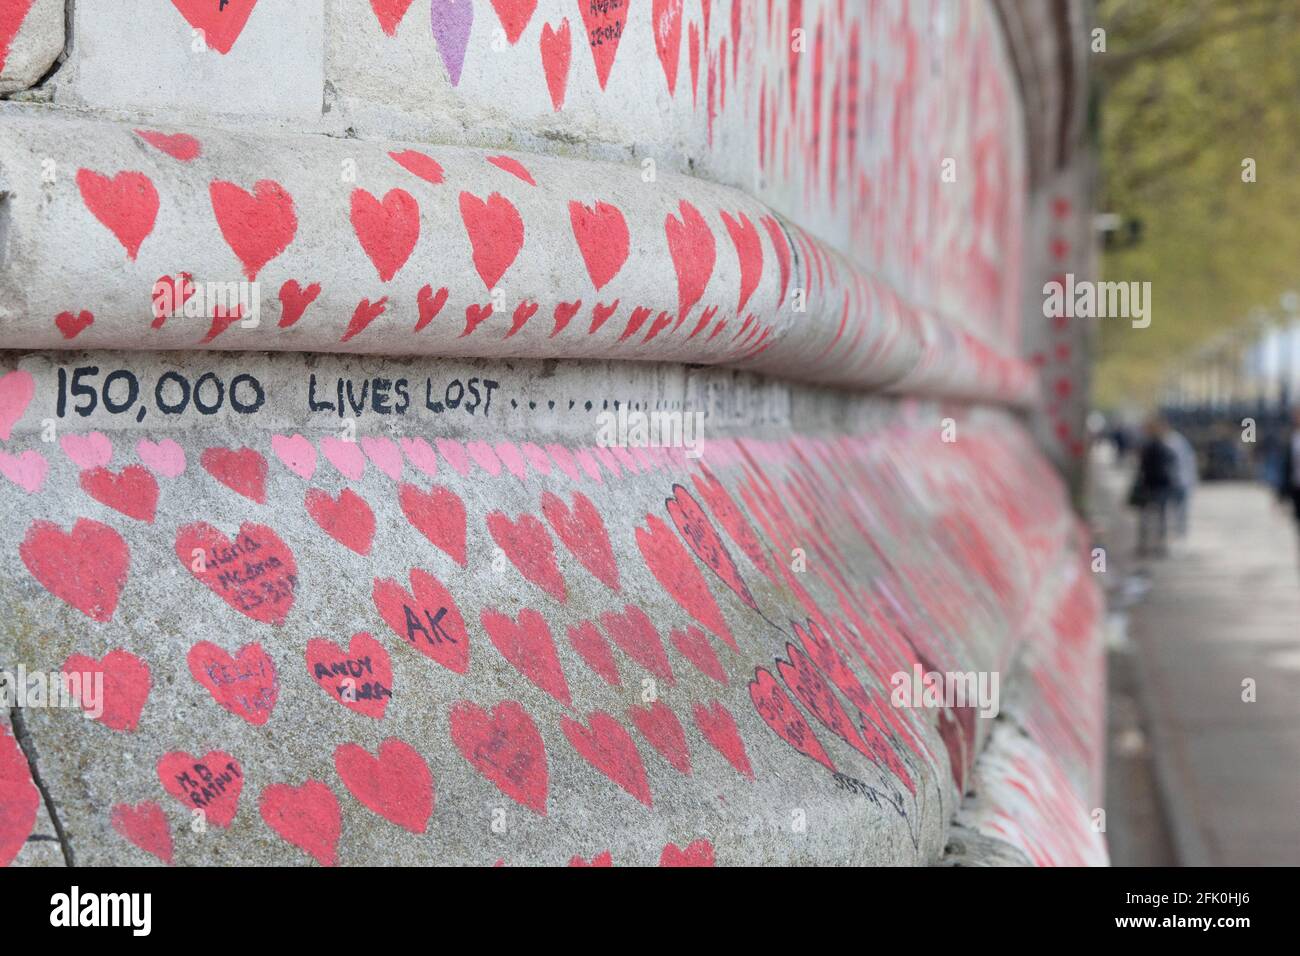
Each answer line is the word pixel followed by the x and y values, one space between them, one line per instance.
pixel 1188 90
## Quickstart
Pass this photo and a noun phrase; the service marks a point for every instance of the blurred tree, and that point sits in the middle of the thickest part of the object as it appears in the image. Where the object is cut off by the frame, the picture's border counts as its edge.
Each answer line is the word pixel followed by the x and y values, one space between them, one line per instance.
pixel 1189 90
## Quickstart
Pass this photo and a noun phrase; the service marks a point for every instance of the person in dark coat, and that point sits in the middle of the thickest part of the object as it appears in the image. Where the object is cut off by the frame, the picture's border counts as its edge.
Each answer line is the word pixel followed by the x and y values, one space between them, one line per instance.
pixel 1287 478
pixel 1153 488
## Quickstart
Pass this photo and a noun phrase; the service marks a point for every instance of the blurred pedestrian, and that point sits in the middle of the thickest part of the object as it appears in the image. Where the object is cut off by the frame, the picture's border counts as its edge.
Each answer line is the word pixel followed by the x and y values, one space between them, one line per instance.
pixel 1287 479
pixel 1186 476
pixel 1152 488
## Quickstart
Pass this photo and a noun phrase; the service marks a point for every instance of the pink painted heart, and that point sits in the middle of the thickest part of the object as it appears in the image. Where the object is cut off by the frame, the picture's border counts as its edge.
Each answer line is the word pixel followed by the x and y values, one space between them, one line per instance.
pixel 165 458
pixel 127 205
pixel 211 783
pixel 85 567
pixel 396 784
pixel 26 470
pixel 16 391
pixel 583 532
pixel 718 727
pixel 125 687
pixel 19 798
pixel 672 565
pixel 420 454
pixel 606 745
pixel 694 251
pixel 602 236
pixel 496 234
pixel 145 825
pixel 88 451
pixel 242 470
pixel 387 229
pixel 307 817
pixel 528 546
pixel 295 453
pixel 256 574
pixel 528 645
pixel 219 23
pixel 636 634
pixel 385 455
pixel 346 456
pixel 257 226
pixel 439 515
pixel 425 617
pixel 347 519
pixel 246 684
pixel 360 678
pixel 506 747
pixel 659 725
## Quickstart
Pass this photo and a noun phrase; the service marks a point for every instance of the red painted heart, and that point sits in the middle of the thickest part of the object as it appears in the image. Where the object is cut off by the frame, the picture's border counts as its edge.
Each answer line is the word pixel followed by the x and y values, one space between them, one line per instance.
pixel 70 326
pixel 779 712
pixel 588 642
pixel 397 784
pixel 601 232
pixel 439 515
pixel 241 470
pixel 506 747
pixel 659 725
pixel 256 574
pixel 672 565
pixel 496 234
pixel 85 567
pixel 145 825
pixel 528 546
pixel 636 634
pixel 815 693
pixel 245 685
pixel 693 251
pixel 695 647
pixel 387 230
pixel 220 23
pixel 604 23
pixel 127 204
pixel 749 252
pixel 308 817
pixel 699 853
pixel 126 683
pixel 719 728
pixel 607 746
pixel 347 519
pixel 180 146
pixel 389 13
pixel 418 164
pixel 257 226
pixel 211 783
pixel 133 491
pixel 360 678
pixel 583 532
pixel 556 47
pixel 426 617
pixel 666 20
pixel 514 16
pixel 294 300
pixel 19 798
pixel 528 645
pixel 694 525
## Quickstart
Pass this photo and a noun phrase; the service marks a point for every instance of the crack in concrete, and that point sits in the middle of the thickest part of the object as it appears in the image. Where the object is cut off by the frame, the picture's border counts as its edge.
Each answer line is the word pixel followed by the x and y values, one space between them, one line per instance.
pixel 28 747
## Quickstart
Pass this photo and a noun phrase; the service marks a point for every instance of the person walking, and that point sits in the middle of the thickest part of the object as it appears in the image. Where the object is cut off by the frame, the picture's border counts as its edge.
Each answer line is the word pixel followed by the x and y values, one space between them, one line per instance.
pixel 1287 477
pixel 1152 488
pixel 1186 475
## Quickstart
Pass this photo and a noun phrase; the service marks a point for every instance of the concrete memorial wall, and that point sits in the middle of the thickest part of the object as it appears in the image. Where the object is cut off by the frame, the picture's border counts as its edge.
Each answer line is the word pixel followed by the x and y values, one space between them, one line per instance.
pixel 529 432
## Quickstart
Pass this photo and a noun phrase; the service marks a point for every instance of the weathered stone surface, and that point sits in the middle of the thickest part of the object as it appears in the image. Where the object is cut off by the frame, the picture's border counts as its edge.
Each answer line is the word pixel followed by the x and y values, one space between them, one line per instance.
pixel 31 39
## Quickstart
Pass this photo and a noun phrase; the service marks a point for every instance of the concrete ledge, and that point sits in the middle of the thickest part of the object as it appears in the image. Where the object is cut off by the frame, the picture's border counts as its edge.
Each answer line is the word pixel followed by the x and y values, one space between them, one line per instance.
pixel 392 248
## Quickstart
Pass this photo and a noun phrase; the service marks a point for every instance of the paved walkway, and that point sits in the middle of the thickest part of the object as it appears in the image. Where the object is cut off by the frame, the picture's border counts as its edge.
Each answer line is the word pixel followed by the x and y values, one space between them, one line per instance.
pixel 1223 608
